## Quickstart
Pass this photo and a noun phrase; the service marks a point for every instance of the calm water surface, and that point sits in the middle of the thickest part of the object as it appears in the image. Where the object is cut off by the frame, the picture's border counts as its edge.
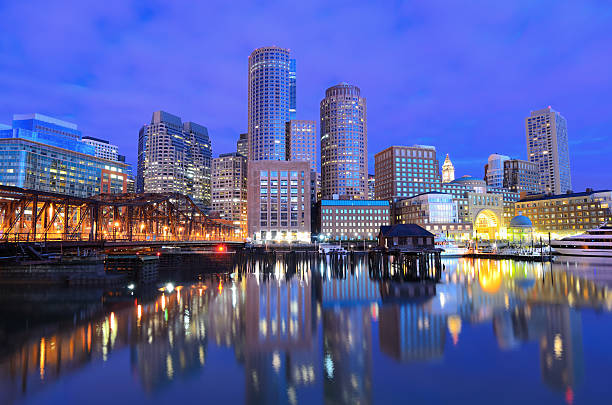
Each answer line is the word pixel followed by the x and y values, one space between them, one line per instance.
pixel 493 332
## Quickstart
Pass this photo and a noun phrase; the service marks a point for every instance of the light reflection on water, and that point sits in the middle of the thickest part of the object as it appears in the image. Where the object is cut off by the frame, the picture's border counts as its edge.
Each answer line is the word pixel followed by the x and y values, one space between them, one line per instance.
pixel 320 335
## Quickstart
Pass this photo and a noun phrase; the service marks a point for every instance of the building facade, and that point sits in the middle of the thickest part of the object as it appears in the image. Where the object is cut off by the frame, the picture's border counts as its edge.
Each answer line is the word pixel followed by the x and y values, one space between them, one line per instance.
pixel 448 170
pixel 434 211
pixel 371 187
pixel 547 147
pixel 567 213
pixel 344 143
pixel 279 201
pixel 242 145
pixel 405 171
pixel 352 219
pixel 104 149
pixel 521 176
pixel 301 141
pixel 494 170
pixel 47 154
pixel 229 188
pixel 269 101
pixel 174 157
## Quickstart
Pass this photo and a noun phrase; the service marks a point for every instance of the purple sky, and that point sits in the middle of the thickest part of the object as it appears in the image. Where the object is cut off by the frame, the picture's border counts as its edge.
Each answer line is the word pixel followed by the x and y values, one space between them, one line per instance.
pixel 461 76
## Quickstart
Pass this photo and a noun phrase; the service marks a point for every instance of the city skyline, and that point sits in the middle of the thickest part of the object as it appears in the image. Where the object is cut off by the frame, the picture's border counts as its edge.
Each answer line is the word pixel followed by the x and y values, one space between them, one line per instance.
pixel 477 94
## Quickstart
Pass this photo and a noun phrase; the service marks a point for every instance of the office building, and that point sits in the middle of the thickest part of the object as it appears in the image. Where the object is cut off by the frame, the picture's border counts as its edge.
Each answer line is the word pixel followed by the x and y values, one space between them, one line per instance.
pixel 405 171
pixel 229 188
pixel 344 143
pixel 242 145
pixel 47 154
pixel 292 89
pixel 567 213
pixel 279 201
pixel 352 219
pixel 547 147
pixel 301 141
pixel 269 100
pixel 174 157
pixel 521 176
pixel 434 211
pixel 494 170
pixel 448 170
pixel 371 187
pixel 104 149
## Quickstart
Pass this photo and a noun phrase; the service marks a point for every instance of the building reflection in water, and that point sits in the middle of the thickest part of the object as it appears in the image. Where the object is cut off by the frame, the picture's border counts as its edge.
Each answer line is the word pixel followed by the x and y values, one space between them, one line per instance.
pixel 299 334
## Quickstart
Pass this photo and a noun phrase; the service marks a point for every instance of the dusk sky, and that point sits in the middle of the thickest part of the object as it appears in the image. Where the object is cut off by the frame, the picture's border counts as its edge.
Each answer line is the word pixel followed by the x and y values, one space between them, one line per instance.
pixel 459 75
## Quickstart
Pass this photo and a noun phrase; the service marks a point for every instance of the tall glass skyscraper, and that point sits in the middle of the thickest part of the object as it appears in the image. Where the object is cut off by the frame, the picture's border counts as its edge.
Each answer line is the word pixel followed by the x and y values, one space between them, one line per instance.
pixel 269 102
pixel 547 147
pixel 174 157
pixel 292 89
pixel 344 143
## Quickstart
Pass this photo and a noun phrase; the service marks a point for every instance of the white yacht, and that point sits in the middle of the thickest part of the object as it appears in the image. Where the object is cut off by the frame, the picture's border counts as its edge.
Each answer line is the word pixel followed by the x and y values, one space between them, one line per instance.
pixel 595 242
pixel 451 249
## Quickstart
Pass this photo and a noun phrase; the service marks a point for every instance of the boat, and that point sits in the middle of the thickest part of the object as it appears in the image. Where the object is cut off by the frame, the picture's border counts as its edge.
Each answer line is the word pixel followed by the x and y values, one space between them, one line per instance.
pixel 450 248
pixel 596 242
pixel 330 248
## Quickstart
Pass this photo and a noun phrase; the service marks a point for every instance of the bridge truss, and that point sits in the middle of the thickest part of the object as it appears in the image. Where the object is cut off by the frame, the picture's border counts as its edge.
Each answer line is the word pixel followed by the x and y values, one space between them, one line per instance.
pixel 30 215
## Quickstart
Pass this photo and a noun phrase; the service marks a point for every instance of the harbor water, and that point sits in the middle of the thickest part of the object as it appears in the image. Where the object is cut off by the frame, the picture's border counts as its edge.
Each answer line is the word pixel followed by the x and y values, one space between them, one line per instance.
pixel 316 331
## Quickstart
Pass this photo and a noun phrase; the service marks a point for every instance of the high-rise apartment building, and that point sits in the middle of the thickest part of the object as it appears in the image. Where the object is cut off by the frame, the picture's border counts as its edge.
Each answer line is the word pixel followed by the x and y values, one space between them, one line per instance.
pixel 405 171
pixel 371 187
pixel 301 141
pixel 494 170
pixel 174 157
pixel 242 145
pixel 547 146
pixel 104 149
pixel 46 154
pixel 269 100
pixel 448 170
pixel 344 143
pixel 279 201
pixel 229 188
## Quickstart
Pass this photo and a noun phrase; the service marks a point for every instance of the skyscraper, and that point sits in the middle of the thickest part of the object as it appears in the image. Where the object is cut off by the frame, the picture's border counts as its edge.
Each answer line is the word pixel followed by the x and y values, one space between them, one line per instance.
pixel 521 176
pixel 405 171
pixel 292 89
pixel 344 143
pixel 242 146
pixel 174 157
pixel 104 149
pixel 269 102
pixel 229 188
pixel 301 141
pixel 494 170
pixel 547 147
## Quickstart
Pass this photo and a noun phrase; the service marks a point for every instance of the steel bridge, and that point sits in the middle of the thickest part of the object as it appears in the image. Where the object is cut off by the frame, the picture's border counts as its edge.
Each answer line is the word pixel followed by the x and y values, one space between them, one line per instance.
pixel 32 216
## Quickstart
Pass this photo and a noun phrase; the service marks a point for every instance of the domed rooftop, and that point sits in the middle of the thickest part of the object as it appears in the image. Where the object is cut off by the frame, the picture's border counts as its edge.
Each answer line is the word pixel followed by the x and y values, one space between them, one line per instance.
pixel 520 221
pixel 470 179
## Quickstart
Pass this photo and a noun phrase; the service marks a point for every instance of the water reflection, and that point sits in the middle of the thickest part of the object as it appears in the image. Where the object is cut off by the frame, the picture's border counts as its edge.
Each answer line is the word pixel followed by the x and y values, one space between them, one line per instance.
pixel 303 336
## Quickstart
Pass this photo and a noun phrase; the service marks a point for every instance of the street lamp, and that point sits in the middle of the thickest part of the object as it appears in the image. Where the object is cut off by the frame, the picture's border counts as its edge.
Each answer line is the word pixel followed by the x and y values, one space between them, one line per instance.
pixel 115 226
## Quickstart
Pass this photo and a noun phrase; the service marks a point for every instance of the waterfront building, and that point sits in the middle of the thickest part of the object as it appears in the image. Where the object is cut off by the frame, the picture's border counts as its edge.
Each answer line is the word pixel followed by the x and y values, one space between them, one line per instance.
pixel 521 176
pixel 47 154
pixel 351 219
pixel 448 170
pixel 407 236
pixel 434 211
pixel 371 187
pixel 174 157
pixel 547 147
pixel 269 101
pixel 279 201
pixel 242 145
pixel 301 141
pixel 104 149
pixel 344 143
pixel 229 188
pixel 405 171
pixel 567 214
pixel 494 170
